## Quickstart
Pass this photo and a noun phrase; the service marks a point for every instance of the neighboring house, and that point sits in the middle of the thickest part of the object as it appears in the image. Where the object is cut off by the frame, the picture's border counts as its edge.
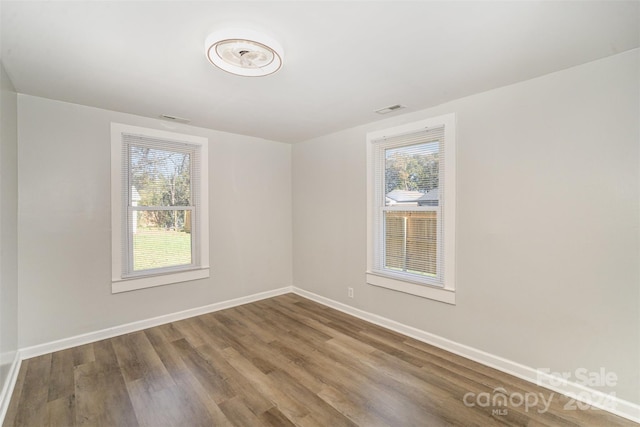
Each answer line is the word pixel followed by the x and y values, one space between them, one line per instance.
pixel 403 197
pixel 430 198
pixel 412 198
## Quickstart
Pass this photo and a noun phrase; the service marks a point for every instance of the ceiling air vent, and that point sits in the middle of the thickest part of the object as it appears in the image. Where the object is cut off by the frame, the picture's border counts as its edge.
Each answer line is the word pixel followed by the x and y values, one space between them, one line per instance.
pixel 174 118
pixel 390 108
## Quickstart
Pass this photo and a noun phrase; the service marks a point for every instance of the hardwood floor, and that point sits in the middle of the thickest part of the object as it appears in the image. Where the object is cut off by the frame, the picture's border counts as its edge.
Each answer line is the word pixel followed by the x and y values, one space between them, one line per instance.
pixel 279 362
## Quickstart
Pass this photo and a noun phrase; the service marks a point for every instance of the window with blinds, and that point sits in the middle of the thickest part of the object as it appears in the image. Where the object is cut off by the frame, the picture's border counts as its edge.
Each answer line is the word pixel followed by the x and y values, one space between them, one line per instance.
pixel 409 200
pixel 159 207
pixel 160 183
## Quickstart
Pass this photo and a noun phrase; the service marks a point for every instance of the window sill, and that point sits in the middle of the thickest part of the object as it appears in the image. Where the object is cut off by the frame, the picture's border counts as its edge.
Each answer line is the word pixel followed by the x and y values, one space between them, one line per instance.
pixel 127 285
pixel 424 291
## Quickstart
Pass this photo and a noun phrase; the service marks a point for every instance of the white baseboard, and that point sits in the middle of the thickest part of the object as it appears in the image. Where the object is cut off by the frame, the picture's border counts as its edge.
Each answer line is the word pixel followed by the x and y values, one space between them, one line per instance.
pixel 574 390
pixel 40 349
pixel 9 384
pixel 581 393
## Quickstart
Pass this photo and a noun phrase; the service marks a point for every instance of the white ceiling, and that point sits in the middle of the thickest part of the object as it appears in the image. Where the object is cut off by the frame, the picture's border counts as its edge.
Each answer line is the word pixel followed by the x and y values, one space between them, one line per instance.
pixel 343 60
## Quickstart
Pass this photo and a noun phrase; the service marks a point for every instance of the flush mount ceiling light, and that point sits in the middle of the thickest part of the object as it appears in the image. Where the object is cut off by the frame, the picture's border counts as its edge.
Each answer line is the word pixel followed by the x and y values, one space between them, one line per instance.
pixel 244 52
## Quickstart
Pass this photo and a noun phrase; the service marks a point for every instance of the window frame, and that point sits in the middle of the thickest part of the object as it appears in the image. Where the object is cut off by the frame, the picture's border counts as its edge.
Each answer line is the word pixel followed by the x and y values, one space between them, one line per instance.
pixel 123 281
pixel 445 290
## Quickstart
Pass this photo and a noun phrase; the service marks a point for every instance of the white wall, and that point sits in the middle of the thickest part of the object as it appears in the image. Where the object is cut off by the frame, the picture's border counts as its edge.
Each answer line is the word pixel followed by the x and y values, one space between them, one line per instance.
pixel 64 223
pixel 548 222
pixel 547 228
pixel 8 225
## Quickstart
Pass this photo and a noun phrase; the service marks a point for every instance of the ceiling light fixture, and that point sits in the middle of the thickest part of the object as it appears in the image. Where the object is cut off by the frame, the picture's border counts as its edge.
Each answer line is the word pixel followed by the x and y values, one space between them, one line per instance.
pixel 244 52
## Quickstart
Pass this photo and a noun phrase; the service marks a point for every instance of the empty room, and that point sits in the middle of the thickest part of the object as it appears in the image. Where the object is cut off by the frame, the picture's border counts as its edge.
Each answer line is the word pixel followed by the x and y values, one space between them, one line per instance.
pixel 320 213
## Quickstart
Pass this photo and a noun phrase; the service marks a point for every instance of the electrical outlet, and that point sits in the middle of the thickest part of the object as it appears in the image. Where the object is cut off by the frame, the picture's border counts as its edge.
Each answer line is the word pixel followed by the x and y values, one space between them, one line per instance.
pixel 350 292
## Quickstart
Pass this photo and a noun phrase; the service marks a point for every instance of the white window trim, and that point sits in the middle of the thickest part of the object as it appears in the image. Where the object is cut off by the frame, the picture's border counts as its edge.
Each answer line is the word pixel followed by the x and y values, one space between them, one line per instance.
pixel 118 283
pixel 446 293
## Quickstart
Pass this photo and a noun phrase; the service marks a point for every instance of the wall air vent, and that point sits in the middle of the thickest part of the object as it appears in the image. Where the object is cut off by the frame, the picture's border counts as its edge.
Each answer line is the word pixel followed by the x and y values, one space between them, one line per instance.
pixel 174 118
pixel 390 108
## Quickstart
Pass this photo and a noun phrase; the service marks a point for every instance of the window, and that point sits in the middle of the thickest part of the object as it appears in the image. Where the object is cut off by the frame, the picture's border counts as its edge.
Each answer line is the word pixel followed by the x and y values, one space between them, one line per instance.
pixel 159 207
pixel 411 208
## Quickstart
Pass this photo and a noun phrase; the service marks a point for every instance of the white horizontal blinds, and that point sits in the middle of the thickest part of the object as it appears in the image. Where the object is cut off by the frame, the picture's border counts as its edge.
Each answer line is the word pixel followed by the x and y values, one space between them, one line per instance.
pixel 409 176
pixel 160 180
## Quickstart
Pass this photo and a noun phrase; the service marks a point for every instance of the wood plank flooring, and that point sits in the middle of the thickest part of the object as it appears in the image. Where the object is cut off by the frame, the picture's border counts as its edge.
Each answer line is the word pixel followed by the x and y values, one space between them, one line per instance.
pixel 284 361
